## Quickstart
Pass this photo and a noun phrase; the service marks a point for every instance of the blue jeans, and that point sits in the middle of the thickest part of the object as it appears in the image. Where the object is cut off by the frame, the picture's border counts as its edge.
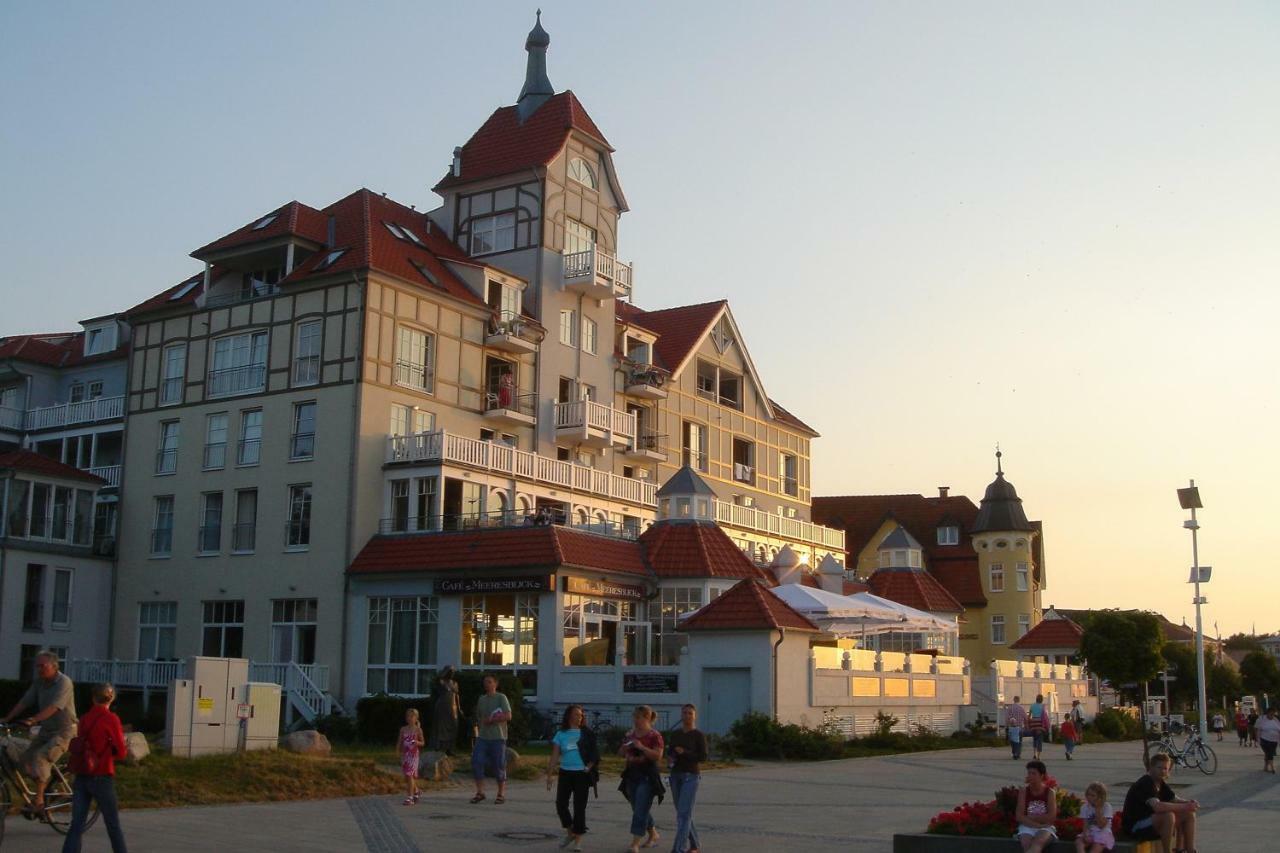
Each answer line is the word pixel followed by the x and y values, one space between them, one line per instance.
pixel 1015 740
pixel 684 790
pixel 1070 745
pixel 102 789
pixel 486 754
pixel 1037 740
pixel 640 794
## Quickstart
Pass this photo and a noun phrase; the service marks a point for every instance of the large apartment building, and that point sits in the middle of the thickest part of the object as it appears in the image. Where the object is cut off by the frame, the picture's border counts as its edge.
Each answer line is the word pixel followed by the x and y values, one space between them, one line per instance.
pixel 364 369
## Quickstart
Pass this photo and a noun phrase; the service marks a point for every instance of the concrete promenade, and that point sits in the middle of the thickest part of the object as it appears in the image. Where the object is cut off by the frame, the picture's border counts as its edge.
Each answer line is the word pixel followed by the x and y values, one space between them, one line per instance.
pixel 847 805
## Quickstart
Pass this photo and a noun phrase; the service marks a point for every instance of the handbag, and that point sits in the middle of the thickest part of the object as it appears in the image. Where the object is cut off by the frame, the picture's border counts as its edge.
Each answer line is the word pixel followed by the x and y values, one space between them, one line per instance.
pixel 81 759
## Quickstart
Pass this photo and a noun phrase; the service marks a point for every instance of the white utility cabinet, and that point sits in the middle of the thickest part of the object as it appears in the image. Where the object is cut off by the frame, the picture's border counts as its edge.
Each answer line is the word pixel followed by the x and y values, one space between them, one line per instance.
pixel 262 726
pixel 201 717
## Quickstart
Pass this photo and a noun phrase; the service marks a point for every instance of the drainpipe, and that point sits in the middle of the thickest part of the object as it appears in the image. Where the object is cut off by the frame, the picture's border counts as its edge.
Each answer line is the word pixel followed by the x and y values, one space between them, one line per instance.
pixel 351 483
pixel 537 290
pixel 782 635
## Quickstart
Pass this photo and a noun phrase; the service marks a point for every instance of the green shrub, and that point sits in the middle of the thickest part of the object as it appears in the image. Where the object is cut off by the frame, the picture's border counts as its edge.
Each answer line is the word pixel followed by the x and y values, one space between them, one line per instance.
pixel 338 728
pixel 379 717
pixel 760 736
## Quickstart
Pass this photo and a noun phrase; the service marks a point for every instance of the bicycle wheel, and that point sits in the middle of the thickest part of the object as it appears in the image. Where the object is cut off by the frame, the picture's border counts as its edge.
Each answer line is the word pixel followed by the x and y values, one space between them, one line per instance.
pixel 58 799
pixel 1191 756
pixel 1208 760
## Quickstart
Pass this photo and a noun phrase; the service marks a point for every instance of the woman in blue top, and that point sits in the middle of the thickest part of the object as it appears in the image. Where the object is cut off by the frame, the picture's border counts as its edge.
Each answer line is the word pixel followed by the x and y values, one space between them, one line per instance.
pixel 574 752
pixel 1038 723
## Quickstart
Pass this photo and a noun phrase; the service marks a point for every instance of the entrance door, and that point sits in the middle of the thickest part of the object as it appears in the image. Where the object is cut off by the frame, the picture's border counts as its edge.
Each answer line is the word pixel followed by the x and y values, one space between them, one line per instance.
pixel 726 697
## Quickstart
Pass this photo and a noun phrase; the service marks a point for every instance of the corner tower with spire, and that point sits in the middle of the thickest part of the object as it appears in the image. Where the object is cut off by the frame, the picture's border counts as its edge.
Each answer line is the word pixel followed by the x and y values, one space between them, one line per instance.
pixel 537 87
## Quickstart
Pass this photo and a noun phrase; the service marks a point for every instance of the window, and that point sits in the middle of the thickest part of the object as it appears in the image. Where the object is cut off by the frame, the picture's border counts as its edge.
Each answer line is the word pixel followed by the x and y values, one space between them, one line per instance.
pixel 493 233
pixel 95 390
pixel 61 519
pixel 707 380
pixel 949 535
pixel 578 237
pixel 673 603
pixel 244 535
pixel 93 341
pixel 730 389
pixel 1024 624
pixel 187 287
pixel 239 365
pixel 41 494
pixel 250 449
pixel 303 443
pixel 589 335
pixel 997 577
pixel 402 649
pixel 33 599
pixel 695 445
pixel 330 259
pixel 306 358
pixel 568 327
pixel 500 630
pixel 744 461
pixel 293 630
pixel 411 420
pixel 167 454
pixel 603 632
pixel 61 616
pixel 173 372
pixel 215 441
pixel 77 392
pixel 425 511
pixel 719 385
pixel 264 221
pixel 1024 581
pixel 162 527
pixel 415 359
pixel 223 634
pixel 997 630
pixel 399 506
pixel 157 629
pixel 19 504
pixel 298 534
pixel 210 538
pixel 581 171
pixel 504 299
pixel 790 482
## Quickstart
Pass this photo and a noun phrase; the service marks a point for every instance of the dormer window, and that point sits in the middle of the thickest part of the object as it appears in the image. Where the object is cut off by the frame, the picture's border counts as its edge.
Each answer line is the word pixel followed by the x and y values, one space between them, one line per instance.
pixel 329 259
pixel 581 171
pixel 264 221
pixel 99 340
pixel 949 535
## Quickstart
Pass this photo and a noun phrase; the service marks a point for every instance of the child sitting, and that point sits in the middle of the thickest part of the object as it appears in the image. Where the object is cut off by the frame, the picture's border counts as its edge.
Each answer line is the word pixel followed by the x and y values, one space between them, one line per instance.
pixel 1096 814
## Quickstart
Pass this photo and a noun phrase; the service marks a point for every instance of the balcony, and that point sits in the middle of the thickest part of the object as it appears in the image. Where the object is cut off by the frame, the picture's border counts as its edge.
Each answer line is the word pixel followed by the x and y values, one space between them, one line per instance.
pixel 12 419
pixel 443 447
pixel 510 407
pixel 594 424
pixel 69 414
pixel 511 332
pixel 256 290
pixel 647 448
pixel 409 523
pixel 110 473
pixel 247 379
pixel 646 381
pixel 759 521
pixel 597 274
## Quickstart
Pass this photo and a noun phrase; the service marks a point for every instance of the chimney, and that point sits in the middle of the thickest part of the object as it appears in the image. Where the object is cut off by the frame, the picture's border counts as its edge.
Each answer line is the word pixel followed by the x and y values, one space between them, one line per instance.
pixel 457 162
pixel 332 237
pixel 943 491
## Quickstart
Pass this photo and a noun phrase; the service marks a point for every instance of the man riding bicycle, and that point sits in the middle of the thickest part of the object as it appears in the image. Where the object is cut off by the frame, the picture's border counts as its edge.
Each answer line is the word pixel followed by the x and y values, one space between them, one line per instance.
pixel 52 696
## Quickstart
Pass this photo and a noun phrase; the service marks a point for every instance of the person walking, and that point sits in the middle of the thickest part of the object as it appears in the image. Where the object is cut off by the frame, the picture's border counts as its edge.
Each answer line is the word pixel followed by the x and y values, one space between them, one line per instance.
pixel 1038 725
pixel 1268 729
pixel 410 743
pixel 446 708
pixel 686 750
pixel 1252 720
pixel 1069 735
pixel 103 738
pixel 1219 723
pixel 1242 726
pixel 493 712
pixel 576 757
pixel 641 781
pixel 52 697
pixel 1015 720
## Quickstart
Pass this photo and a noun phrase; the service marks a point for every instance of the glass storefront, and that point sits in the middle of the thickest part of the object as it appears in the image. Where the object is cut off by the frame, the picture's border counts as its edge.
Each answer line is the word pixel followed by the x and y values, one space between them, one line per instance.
pixel 604 632
pixel 499 630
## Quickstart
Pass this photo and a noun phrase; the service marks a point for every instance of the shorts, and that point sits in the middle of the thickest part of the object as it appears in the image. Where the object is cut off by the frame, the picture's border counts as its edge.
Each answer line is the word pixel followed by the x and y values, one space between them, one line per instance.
pixel 1033 831
pixel 1143 830
pixel 42 753
pixel 1268 749
pixel 486 754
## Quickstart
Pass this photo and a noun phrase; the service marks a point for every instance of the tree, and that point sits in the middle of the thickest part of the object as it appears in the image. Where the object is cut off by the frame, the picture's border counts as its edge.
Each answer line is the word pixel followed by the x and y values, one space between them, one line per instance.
pixel 1124 648
pixel 1181 658
pixel 1243 642
pixel 1222 683
pixel 1259 674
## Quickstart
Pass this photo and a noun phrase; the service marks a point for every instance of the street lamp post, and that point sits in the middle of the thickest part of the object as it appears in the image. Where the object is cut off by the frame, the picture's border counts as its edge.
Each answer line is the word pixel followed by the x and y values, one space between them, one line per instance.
pixel 1189 498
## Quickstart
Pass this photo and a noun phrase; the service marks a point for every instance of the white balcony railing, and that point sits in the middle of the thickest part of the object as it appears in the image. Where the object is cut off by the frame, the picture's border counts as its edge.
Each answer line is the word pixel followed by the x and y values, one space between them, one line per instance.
pixel 751 518
pixel 158 673
pixel 601 264
pixel 441 446
pixel 83 412
pixel 110 473
pixel 595 416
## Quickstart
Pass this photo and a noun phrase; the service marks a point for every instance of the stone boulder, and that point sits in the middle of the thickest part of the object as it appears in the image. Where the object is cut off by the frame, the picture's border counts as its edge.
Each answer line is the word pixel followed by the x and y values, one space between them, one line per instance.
pixel 136 747
pixel 435 766
pixel 307 743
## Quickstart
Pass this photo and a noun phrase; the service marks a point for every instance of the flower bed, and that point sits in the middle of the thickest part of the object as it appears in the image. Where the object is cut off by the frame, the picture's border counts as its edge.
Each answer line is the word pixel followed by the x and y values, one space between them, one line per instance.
pixel 996 818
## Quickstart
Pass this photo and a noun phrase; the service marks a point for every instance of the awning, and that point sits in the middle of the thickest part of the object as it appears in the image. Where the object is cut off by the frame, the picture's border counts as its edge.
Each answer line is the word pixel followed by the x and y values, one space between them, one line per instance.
pixel 859 614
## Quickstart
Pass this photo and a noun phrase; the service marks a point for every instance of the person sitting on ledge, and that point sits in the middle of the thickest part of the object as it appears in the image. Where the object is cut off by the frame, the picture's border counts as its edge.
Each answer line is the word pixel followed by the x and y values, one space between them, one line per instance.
pixel 1152 812
pixel 1037 810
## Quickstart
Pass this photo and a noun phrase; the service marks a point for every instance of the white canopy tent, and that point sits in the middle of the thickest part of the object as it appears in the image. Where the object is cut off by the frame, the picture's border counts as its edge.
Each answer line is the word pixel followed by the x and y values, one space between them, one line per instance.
pixel 861 614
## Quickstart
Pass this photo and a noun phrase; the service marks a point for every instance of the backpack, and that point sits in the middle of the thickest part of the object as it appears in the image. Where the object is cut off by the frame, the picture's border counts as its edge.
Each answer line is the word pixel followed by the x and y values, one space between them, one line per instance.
pixel 81 759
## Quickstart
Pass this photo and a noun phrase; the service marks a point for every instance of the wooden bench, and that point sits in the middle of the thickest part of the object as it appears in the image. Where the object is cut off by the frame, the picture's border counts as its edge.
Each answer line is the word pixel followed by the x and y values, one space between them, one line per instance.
pixel 925 843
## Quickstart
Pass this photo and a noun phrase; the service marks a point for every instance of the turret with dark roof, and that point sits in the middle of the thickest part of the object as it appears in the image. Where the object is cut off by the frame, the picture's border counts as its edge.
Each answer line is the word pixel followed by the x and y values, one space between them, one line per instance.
pixel 1001 507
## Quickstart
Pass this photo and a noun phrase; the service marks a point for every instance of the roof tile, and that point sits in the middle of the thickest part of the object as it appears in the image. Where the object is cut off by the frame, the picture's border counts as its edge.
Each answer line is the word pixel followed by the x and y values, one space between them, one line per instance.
pixel 748 606
pixel 34 463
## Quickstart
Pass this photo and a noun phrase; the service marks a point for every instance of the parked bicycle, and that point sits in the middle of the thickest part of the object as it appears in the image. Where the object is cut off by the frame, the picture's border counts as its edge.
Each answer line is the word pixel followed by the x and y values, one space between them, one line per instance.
pixel 57 796
pixel 1192 753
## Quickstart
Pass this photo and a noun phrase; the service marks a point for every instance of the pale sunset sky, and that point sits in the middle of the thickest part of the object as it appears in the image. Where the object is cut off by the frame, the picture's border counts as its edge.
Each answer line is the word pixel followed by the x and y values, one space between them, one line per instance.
pixel 940 226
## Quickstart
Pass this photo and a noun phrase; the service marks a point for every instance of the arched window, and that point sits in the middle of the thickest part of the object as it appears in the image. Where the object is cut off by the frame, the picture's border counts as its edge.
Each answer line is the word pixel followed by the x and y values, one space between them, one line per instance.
pixel 580 517
pixel 580 170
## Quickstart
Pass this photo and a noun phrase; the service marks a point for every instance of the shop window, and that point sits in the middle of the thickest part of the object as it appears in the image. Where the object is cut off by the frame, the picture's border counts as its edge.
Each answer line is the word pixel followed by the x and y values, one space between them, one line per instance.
pixel 500 630
pixel 402 651
pixel 603 632
pixel 673 603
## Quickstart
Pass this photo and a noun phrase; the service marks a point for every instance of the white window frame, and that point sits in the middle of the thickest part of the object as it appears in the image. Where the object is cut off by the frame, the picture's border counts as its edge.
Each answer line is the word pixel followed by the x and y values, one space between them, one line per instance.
pixel 1024 624
pixel 381 611
pixel 241 524
pixel 302 445
pixel 161 502
pixel 246 441
pixel 167 449
pixel 65 621
pixel 578 237
pixel 212 506
pixel 583 173
pixel 238 364
pixel 590 338
pixel 569 327
pixel 493 233
pixel 215 452
pixel 161 618
pixel 948 534
pixel 285 615
pixel 415 359
pixel 308 345
pixel 1022 572
pixel 695 458
pixel 411 420
pixel 173 372
pixel 997 628
pixel 298 515
pixel 227 621
pixel 995 577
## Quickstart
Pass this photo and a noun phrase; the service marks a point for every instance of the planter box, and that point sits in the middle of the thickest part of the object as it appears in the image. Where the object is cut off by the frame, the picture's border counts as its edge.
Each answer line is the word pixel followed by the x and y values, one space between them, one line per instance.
pixel 961 844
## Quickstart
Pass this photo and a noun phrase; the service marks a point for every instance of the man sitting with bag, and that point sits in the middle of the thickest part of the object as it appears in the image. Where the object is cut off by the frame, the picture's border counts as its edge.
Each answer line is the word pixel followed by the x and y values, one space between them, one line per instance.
pixel 52 695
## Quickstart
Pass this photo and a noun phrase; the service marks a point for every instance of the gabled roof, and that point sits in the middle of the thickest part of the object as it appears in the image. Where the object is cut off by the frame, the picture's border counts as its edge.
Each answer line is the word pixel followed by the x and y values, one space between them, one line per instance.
pixel 695 549
pixel 503 146
pixel 290 219
pixel 899 538
pixel 862 516
pixel 784 416
pixel 56 349
pixel 914 588
pixel 34 463
pixel 685 482
pixel 1051 634
pixel 746 607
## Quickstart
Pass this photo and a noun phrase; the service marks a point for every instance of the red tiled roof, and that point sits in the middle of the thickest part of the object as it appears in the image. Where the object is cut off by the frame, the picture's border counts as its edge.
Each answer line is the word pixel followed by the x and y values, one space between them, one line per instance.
pixel 292 218
pixel 748 606
pixel 164 299
pixel 791 420
pixel 955 566
pixel 34 463
pixel 503 145
pixel 1051 634
pixel 58 349
pixel 508 548
pixel 917 589
pixel 630 315
pixel 695 549
pixel 679 329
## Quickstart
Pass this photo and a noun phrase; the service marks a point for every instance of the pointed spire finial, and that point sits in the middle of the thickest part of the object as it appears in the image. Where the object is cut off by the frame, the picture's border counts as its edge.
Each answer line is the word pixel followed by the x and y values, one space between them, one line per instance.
pixel 537 88
pixel 999 469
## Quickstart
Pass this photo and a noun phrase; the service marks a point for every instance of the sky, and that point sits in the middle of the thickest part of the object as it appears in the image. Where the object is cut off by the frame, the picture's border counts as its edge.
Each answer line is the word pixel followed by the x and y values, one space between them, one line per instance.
pixel 940 226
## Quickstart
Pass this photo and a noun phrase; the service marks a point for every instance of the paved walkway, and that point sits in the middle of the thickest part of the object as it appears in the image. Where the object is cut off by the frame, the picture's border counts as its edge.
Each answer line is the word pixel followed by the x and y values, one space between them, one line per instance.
pixel 848 805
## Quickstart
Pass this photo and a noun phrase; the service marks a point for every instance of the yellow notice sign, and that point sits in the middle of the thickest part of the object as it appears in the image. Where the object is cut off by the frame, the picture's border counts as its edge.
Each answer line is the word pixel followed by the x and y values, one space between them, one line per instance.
pixel 204 706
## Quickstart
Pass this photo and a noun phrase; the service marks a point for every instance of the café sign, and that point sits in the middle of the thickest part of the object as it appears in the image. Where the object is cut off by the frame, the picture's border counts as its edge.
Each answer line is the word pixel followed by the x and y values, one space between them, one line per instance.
pixel 468 586
pixel 603 589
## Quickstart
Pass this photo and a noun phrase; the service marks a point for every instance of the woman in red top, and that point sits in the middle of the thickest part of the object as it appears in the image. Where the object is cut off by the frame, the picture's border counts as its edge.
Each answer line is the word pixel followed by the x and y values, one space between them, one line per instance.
pixel 104 740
